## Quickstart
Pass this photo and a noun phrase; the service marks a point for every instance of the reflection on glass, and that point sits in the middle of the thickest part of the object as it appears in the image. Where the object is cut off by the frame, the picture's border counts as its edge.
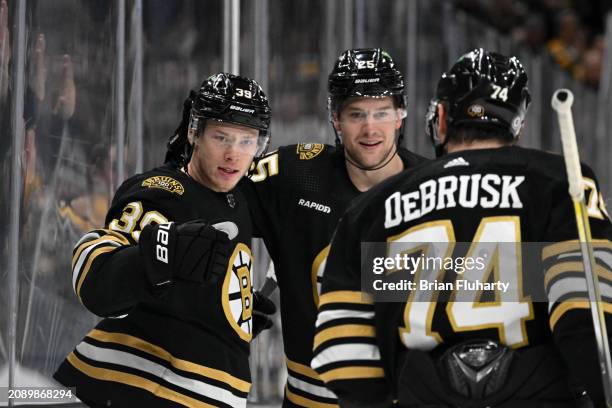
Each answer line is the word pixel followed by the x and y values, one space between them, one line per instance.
pixel 67 177
pixel 5 175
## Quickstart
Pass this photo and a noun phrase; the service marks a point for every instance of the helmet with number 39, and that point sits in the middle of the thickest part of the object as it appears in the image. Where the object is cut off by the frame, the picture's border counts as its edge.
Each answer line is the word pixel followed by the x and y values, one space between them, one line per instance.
pixel 234 99
pixel 223 98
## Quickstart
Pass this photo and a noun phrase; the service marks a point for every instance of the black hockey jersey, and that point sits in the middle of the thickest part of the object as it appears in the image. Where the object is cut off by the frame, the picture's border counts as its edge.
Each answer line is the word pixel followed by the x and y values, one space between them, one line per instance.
pixel 486 198
pixel 189 347
pixel 298 195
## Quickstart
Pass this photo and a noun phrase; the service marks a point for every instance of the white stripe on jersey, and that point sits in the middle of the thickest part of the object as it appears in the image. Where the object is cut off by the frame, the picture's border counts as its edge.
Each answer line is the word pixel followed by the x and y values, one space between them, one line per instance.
pixel 329 315
pixel 90 236
pixel 600 255
pixel 606 257
pixel 569 285
pixel 139 363
pixel 310 388
pixel 346 352
pixel 83 256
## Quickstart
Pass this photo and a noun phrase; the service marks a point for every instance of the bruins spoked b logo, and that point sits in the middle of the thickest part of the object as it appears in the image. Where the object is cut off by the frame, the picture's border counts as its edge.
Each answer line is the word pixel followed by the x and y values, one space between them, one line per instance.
pixel 238 293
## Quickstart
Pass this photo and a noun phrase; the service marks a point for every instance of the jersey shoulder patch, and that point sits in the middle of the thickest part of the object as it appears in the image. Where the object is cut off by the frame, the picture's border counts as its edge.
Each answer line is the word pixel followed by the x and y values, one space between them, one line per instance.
pixel 308 151
pixel 162 186
pixel 168 180
pixel 165 183
pixel 292 163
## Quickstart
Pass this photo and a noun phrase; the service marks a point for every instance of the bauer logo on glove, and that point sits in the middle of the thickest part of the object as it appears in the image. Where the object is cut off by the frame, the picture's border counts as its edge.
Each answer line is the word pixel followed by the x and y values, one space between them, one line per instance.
pixel 161 249
pixel 194 251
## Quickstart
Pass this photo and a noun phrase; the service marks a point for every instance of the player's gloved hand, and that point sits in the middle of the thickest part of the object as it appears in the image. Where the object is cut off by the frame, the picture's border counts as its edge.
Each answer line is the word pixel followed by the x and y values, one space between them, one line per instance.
pixel 193 251
pixel 263 308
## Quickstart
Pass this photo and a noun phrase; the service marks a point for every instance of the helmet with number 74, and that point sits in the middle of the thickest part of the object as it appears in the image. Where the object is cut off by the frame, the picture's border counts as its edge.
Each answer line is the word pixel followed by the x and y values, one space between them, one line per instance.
pixel 484 90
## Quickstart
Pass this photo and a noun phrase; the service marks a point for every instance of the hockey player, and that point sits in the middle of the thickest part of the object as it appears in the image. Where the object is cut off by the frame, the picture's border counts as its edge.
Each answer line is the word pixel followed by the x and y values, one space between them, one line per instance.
pixel 514 350
pixel 300 191
pixel 171 270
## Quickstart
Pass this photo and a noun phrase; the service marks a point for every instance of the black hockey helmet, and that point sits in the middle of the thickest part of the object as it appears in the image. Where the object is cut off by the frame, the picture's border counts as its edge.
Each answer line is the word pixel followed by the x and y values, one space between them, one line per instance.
pixel 485 90
pixel 364 72
pixel 224 98
pixel 234 99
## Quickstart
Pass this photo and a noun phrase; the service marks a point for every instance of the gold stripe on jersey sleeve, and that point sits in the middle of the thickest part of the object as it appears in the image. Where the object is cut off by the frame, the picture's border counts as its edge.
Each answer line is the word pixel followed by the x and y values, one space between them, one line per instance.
pixel 87 266
pixel 302 369
pixel 144 346
pixel 306 402
pixel 351 373
pixel 563 267
pixel 119 235
pixel 344 330
pixel 346 296
pixel 570 304
pixel 572 246
pixel 106 374
pixel 113 236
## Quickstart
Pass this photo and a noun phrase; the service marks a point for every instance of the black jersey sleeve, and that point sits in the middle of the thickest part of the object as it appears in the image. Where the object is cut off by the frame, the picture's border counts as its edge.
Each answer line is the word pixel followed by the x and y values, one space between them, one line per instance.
pixel 108 274
pixel 345 349
pixel 569 312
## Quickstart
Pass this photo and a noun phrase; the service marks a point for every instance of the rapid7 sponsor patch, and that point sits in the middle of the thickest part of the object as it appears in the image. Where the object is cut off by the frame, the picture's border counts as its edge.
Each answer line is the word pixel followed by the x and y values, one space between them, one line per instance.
pixel 316 206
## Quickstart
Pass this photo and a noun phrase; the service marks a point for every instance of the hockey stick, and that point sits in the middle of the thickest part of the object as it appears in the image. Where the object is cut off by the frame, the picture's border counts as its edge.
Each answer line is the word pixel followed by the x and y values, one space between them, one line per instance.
pixel 562 103
pixel 270 284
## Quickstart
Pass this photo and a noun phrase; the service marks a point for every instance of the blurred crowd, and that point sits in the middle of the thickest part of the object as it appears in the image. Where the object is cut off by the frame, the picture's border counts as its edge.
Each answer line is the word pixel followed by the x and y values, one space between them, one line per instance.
pixel 177 47
pixel 66 180
pixel 571 31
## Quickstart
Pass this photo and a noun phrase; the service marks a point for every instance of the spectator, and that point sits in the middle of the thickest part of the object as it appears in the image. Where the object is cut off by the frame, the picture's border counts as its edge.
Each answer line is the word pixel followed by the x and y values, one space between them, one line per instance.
pixel 591 67
pixel 566 46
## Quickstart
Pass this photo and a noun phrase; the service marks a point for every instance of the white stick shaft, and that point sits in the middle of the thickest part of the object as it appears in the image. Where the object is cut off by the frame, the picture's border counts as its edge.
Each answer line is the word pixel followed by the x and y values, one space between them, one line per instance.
pixel 270 284
pixel 562 103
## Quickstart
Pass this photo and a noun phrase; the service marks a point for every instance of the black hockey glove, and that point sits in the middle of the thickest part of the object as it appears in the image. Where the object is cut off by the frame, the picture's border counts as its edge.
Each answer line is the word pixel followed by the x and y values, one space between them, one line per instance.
pixel 194 251
pixel 263 308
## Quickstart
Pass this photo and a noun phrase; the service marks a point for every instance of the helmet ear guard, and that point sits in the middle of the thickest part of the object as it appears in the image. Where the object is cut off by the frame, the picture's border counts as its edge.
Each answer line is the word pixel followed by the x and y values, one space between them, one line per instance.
pixel 431 126
pixel 194 128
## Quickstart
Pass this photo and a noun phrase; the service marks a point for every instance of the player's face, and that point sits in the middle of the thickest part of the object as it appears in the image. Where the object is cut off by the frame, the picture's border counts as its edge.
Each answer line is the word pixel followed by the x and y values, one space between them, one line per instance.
pixel 368 128
pixel 222 155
